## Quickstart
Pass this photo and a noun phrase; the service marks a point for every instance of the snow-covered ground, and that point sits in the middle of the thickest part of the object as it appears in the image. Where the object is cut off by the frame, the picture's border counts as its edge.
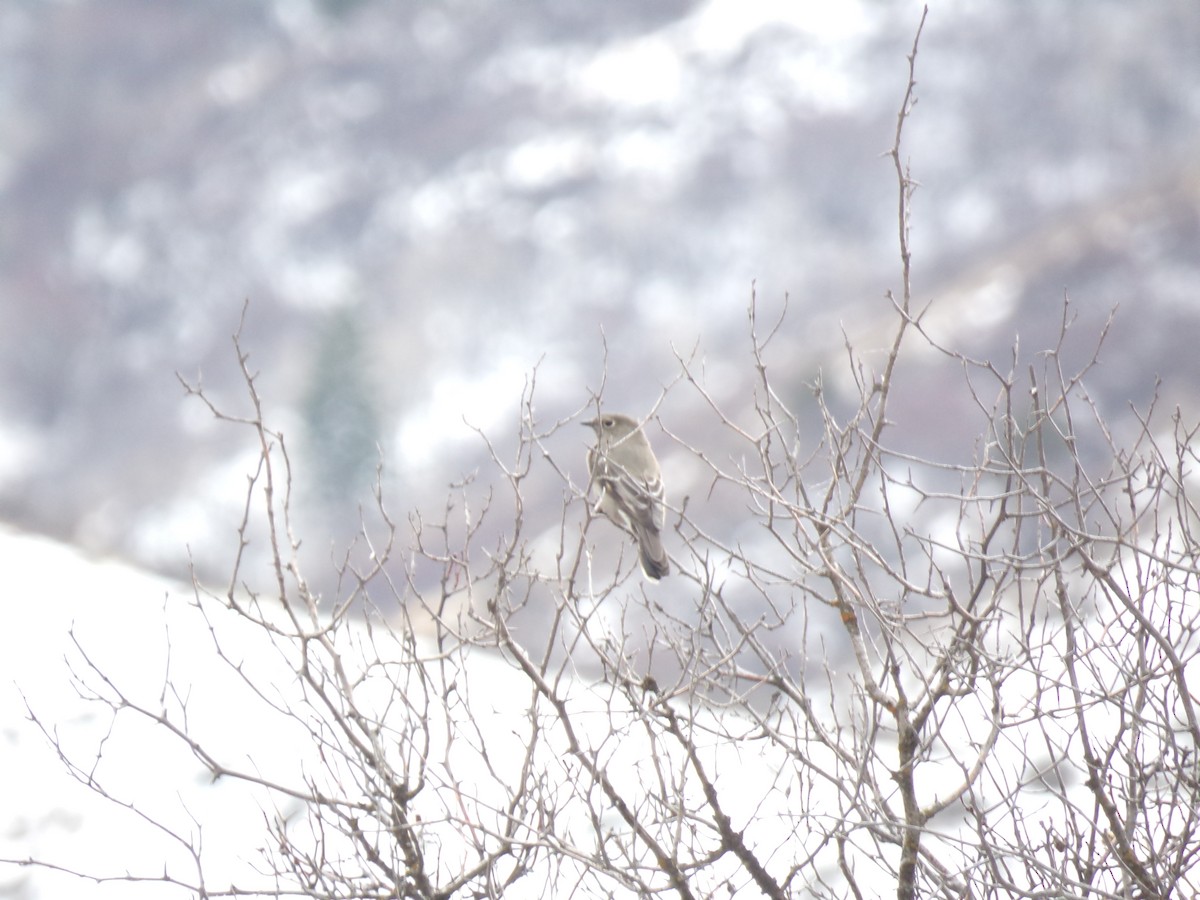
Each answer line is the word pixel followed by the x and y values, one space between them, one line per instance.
pixel 85 636
pixel 134 677
pixel 136 628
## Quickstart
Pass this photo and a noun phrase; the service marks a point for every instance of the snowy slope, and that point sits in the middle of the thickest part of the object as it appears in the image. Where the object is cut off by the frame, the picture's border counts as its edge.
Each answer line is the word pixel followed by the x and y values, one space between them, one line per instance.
pixel 157 646
pixel 58 601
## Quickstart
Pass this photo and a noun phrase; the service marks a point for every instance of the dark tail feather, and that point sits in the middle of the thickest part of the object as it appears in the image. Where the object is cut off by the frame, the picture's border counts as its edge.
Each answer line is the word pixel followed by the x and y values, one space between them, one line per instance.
pixel 653 556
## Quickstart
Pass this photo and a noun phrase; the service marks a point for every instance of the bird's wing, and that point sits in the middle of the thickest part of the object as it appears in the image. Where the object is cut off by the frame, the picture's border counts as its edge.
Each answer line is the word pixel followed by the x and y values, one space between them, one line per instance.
pixel 641 500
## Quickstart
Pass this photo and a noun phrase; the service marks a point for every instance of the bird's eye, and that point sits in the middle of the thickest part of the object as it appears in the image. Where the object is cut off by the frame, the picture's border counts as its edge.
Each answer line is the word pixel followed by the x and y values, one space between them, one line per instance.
pixel 607 423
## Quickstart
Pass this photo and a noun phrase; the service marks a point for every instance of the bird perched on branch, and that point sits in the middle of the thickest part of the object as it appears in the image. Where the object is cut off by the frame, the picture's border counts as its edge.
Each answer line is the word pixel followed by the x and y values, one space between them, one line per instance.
pixel 625 470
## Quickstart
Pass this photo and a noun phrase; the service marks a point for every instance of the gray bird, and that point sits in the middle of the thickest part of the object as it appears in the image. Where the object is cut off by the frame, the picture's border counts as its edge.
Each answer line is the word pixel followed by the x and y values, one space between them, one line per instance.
pixel 624 467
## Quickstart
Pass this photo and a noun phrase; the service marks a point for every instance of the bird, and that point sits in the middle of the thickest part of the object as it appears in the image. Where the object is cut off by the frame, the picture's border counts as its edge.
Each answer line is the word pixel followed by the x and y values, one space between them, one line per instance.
pixel 623 466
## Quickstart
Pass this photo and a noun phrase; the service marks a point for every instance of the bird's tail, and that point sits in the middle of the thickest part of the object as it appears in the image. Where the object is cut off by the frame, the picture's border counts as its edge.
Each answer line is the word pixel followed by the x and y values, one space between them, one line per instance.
pixel 653 556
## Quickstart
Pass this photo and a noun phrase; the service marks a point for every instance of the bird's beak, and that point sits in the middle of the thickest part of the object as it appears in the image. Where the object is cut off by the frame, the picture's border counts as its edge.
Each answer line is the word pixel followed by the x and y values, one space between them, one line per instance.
pixel 591 423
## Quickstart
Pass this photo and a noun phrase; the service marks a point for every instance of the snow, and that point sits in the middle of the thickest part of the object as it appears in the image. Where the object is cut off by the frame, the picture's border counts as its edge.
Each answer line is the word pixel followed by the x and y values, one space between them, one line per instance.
pixel 79 625
pixel 58 601
pixel 85 637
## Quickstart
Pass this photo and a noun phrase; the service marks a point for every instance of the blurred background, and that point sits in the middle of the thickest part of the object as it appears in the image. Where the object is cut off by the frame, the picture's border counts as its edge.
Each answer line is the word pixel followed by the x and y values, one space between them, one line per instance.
pixel 423 201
